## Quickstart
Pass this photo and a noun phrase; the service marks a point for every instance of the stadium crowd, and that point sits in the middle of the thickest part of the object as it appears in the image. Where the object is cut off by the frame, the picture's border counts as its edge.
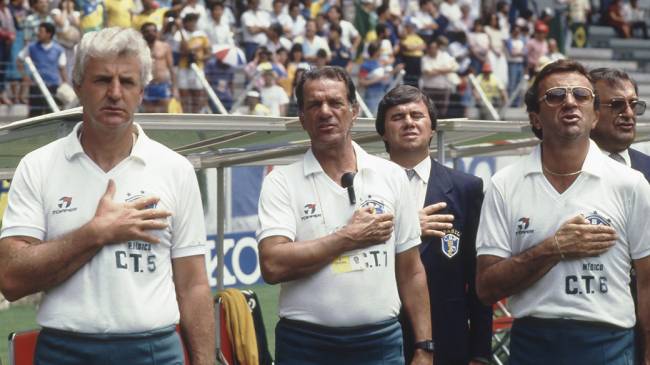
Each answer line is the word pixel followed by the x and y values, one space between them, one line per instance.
pixel 437 43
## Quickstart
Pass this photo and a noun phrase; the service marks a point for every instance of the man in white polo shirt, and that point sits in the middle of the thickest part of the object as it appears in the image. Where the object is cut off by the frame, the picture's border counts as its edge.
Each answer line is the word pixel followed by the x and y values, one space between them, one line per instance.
pixel 344 256
pixel 109 224
pixel 559 232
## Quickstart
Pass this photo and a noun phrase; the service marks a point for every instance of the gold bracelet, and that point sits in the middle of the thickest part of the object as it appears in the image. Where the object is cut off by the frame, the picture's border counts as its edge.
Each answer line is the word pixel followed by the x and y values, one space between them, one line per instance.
pixel 557 245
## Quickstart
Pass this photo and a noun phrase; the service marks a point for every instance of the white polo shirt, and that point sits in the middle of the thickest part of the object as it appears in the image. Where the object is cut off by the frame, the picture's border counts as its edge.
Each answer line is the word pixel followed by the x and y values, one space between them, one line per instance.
pixel 301 202
pixel 521 209
pixel 126 287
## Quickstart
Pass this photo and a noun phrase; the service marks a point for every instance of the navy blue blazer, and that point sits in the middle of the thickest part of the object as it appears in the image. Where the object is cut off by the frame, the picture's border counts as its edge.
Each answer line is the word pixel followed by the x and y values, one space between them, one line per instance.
pixel 462 325
pixel 640 161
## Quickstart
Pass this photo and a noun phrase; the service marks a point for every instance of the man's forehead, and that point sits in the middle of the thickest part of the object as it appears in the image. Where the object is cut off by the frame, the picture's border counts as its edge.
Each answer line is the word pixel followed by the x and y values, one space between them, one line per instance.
pixel 622 88
pixel 125 64
pixel 565 79
pixel 322 89
pixel 416 105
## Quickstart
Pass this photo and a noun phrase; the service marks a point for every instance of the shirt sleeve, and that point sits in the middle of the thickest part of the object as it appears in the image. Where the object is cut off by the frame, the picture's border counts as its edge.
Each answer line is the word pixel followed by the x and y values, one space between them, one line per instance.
pixel 407 222
pixel 62 60
pixel 275 214
pixel 188 224
pixel 24 215
pixel 492 237
pixel 639 211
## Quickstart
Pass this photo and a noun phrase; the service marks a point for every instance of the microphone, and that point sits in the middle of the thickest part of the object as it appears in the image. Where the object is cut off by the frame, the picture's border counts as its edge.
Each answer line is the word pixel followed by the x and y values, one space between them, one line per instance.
pixel 347 179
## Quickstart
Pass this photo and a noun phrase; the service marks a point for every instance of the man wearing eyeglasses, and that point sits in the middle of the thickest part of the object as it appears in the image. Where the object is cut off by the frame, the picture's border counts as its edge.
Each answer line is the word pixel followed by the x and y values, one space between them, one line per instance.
pixel 560 231
pixel 615 132
pixel 619 107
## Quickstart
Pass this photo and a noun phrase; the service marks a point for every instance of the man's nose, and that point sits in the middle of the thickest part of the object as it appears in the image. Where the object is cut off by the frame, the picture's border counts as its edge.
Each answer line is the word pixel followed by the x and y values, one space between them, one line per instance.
pixel 115 89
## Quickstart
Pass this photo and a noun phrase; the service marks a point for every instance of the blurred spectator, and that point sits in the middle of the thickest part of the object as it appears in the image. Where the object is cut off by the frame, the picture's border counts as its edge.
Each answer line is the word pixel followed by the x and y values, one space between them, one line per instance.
pixel 162 86
pixel 387 19
pixel 479 46
pixel 196 7
pixel 322 25
pixel 502 15
pixel 252 105
pixel 194 48
pixel 439 77
pixel 616 19
pixel 554 53
pixel 295 59
pixel 424 19
pixel 251 70
pixel 119 12
pixel 365 19
pixel 282 59
pixel 277 39
pixel 460 51
pixel 496 55
pixel 68 34
pixel 278 11
pixel 18 90
pixel 536 47
pixel 411 51
pixel 516 55
pixel 579 13
pixel 272 95
pixel 321 58
pixel 293 24
pixel 374 77
pixel 216 26
pixel 466 22
pixel 386 48
pixel 151 13
pixel 220 76
pixel 341 55
pixel 7 37
pixel 254 23
pixel 635 16
pixel 92 15
pixel 450 9
pixel 311 42
pixel 293 104
pixel 49 59
pixel 39 15
pixel 493 89
pixel 350 37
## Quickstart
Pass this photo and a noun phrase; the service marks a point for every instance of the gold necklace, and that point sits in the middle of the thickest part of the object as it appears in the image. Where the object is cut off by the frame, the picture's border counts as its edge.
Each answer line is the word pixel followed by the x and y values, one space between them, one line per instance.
pixel 560 174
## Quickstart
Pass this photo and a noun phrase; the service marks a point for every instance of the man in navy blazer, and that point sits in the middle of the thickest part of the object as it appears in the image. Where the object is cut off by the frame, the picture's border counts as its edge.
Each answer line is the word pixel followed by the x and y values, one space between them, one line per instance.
pixel 615 132
pixel 451 201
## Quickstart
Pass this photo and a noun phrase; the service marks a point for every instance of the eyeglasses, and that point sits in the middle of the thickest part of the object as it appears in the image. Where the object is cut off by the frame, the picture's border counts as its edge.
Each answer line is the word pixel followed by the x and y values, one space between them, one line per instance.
pixel 556 96
pixel 618 105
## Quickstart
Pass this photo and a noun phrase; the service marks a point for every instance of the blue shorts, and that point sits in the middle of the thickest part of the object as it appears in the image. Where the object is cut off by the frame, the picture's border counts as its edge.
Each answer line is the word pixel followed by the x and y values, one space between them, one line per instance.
pixel 302 343
pixel 569 342
pixel 158 91
pixel 158 347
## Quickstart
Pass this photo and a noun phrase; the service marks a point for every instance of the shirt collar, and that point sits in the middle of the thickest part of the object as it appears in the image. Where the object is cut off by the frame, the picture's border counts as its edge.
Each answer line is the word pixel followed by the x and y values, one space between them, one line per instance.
pixel 311 164
pixel 423 169
pixel 73 146
pixel 593 164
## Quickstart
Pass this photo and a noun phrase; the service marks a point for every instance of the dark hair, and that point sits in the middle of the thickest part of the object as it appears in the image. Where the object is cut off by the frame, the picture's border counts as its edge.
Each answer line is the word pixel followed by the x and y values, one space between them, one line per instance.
pixel 380 28
pixel 336 28
pixel 277 28
pixel 382 8
pixel 373 48
pixel 321 53
pixel 147 24
pixel 190 17
pixel 560 66
pixel 337 8
pixel 326 72
pixel 612 76
pixel 49 28
pixel 213 4
pixel 403 94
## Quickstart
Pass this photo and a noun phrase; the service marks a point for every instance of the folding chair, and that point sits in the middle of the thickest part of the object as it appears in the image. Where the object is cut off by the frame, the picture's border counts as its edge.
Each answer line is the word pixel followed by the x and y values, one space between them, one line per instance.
pixel 501 325
pixel 22 346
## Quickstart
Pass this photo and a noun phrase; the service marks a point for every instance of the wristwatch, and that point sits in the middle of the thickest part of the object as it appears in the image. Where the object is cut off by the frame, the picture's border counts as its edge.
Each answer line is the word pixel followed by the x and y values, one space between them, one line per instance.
pixel 426 345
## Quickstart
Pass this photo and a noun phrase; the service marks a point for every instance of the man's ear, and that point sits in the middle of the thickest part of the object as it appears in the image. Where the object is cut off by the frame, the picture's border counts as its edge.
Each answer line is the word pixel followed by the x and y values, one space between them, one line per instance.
pixel 597 118
pixel 533 117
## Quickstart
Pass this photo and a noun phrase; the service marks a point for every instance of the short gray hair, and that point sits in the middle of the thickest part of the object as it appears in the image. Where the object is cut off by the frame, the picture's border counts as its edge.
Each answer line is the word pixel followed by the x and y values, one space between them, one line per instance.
pixel 112 42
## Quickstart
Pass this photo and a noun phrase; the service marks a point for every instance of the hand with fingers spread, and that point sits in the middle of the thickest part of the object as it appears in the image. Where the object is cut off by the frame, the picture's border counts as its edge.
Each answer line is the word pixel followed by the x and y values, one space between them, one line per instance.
pixel 366 229
pixel 432 224
pixel 578 238
pixel 119 222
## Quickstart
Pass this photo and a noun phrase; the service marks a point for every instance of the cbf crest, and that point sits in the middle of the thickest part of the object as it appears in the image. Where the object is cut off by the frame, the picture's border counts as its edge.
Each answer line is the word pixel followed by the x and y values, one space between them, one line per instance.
pixel 597 219
pixel 376 206
pixel 450 243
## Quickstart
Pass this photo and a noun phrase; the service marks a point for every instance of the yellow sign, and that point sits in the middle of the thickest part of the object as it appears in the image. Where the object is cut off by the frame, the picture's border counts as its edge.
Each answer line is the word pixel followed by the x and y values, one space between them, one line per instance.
pixel 4 196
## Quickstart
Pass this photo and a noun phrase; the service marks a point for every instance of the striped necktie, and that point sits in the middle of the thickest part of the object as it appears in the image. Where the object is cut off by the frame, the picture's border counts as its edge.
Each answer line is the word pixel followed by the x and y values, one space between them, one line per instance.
pixel 410 173
pixel 617 157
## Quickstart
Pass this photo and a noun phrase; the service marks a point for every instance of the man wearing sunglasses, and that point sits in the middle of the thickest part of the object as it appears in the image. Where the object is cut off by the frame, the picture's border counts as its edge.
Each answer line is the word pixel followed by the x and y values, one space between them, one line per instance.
pixel 560 231
pixel 615 132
